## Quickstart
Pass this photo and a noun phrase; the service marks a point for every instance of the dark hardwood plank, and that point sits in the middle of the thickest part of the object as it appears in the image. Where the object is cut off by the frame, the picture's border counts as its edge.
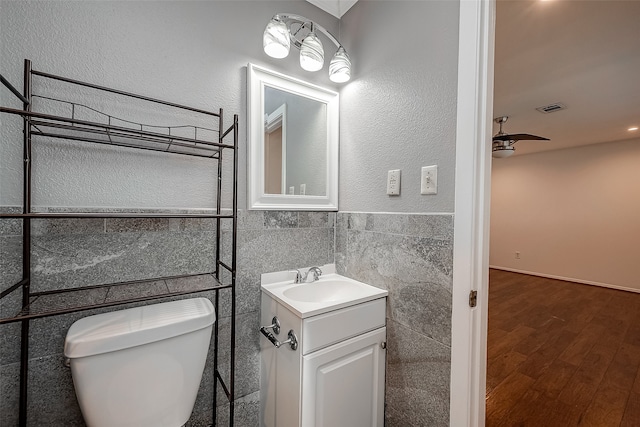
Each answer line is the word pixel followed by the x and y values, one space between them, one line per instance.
pixel 504 396
pixel 582 344
pixel 631 416
pixel 501 366
pixel 561 354
pixel 507 342
pixel 539 361
pixel 607 407
pixel 554 378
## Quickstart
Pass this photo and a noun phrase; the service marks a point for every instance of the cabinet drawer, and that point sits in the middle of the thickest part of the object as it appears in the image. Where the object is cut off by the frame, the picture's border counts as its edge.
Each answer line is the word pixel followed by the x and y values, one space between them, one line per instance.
pixel 329 328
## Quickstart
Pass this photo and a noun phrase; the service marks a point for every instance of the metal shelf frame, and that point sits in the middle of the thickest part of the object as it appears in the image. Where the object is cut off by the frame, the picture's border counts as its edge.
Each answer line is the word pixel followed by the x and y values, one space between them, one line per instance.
pixel 38 124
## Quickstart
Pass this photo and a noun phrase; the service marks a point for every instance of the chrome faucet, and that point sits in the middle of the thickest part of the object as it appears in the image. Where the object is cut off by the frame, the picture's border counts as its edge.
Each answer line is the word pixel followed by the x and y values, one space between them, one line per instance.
pixel 315 275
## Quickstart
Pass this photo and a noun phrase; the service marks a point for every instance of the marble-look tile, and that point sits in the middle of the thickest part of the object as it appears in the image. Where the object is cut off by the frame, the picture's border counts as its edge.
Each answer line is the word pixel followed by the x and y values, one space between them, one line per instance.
pixel 47 335
pixel 331 247
pixel 52 398
pixel 194 283
pixel 68 261
pixel 313 219
pixel 425 307
pixel 137 225
pixel 357 220
pixel 269 250
pixel 246 411
pixel 414 273
pixel 247 352
pixel 387 223
pixel 247 220
pixel 10 226
pixel 9 394
pixel 10 261
pixel 380 258
pixel 282 249
pixel 9 343
pixel 431 226
pixel 42 226
pixel 147 289
pixel 247 407
pixel 193 224
pixel 340 242
pixel 418 375
pixel 63 258
pixel 281 219
pixel 202 413
pixel 11 304
pixel 65 300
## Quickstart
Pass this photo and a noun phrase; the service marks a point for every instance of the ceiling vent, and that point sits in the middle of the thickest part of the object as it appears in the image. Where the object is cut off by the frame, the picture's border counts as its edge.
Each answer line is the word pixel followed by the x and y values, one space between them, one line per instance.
pixel 552 108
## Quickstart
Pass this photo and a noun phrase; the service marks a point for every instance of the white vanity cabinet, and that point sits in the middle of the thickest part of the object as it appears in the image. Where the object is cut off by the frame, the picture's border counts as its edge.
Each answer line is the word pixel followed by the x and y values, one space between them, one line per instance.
pixel 335 377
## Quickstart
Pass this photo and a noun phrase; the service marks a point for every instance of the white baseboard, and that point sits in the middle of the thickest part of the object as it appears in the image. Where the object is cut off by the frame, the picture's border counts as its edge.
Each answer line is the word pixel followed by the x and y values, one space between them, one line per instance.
pixel 567 279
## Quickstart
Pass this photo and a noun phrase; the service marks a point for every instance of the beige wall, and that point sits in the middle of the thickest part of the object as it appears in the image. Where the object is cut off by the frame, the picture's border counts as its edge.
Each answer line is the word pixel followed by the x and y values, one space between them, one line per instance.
pixel 571 214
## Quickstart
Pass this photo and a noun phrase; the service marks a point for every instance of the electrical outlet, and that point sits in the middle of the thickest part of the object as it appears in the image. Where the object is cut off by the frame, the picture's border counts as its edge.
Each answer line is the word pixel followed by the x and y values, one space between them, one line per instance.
pixel 429 180
pixel 292 190
pixel 393 182
pixel 517 255
pixel 303 189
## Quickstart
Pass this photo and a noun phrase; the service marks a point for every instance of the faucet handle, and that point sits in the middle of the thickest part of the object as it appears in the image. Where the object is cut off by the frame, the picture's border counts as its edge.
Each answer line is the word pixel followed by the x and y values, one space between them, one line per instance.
pixel 299 278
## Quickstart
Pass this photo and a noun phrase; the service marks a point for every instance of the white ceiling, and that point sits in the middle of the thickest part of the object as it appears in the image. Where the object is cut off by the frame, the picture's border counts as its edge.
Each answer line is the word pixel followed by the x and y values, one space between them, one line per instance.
pixel 584 54
pixel 335 7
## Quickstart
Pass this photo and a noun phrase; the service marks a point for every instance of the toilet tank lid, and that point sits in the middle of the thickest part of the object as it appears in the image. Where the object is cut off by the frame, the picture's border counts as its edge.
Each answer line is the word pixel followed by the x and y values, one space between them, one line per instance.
pixel 117 330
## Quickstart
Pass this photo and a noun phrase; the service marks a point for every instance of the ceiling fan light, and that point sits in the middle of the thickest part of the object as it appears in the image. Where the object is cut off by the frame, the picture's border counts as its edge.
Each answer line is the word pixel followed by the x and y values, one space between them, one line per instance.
pixel 311 53
pixel 276 41
pixel 340 67
pixel 502 152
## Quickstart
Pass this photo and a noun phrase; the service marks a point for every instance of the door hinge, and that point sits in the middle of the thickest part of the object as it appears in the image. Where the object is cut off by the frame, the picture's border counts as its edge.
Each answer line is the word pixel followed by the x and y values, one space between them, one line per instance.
pixel 473 298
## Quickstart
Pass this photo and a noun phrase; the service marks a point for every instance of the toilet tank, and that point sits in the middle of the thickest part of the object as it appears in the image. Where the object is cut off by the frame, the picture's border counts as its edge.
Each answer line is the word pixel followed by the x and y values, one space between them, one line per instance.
pixel 140 366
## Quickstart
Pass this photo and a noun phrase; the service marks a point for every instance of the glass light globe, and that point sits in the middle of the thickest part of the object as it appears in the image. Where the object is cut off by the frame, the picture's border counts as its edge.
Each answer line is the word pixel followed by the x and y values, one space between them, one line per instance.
pixel 340 67
pixel 311 53
pixel 276 40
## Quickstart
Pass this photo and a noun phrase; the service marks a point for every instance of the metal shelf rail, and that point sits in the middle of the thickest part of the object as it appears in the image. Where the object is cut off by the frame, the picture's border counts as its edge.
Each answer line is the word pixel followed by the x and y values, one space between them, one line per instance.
pixel 132 135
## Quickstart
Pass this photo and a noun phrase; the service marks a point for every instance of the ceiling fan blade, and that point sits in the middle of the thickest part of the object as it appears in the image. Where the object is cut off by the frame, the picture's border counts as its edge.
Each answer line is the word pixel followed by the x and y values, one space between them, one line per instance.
pixel 519 137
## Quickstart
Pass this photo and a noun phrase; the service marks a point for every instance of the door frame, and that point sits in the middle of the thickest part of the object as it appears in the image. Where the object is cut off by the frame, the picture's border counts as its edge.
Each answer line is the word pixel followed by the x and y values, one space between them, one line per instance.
pixel 471 212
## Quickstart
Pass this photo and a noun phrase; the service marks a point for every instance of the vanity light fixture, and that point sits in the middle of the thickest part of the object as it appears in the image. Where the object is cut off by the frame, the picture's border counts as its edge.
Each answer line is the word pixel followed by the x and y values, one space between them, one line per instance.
pixel 285 30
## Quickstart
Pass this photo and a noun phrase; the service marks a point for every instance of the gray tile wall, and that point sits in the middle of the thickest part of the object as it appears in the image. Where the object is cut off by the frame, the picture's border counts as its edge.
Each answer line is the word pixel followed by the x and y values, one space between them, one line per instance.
pixel 411 256
pixel 69 253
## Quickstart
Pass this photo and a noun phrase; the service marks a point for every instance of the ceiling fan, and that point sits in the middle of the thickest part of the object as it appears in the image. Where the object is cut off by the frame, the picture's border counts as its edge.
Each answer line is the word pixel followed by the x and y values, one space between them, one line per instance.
pixel 503 142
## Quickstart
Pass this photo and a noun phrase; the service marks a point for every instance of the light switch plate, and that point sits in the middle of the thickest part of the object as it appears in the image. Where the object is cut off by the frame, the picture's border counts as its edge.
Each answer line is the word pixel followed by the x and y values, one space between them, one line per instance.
pixel 393 182
pixel 429 180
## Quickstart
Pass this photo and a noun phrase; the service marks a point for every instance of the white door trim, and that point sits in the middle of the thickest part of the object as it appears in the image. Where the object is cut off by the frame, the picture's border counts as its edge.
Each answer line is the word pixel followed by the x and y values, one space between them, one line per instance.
pixel 471 220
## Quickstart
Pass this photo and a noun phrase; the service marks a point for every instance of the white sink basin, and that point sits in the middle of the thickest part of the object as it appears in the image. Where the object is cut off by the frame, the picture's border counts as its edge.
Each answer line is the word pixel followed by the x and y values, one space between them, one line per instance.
pixel 323 291
pixel 331 292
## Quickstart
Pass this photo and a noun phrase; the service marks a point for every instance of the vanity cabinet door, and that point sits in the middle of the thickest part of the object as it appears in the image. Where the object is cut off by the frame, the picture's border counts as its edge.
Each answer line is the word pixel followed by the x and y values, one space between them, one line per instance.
pixel 343 385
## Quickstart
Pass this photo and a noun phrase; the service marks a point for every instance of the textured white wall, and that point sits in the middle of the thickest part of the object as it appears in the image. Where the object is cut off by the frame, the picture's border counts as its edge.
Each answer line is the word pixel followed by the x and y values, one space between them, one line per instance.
pixel 194 53
pixel 571 213
pixel 400 110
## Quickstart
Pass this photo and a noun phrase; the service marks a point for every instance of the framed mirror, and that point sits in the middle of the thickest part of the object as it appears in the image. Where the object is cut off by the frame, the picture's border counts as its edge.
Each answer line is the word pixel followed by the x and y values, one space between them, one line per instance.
pixel 292 133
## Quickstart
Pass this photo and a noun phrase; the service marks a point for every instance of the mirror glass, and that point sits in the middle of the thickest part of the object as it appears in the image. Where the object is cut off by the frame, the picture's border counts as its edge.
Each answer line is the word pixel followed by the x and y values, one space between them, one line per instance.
pixel 293 143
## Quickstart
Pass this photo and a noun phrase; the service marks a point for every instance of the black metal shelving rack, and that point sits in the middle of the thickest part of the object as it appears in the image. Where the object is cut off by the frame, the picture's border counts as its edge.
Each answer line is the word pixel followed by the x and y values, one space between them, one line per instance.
pixel 50 303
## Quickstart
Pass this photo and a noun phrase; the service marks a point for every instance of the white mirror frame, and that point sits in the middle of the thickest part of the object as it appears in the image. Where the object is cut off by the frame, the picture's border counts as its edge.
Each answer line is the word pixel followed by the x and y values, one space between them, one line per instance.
pixel 257 79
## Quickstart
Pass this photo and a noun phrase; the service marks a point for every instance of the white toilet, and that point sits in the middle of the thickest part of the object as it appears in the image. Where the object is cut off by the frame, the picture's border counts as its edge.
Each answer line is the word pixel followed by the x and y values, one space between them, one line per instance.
pixel 141 366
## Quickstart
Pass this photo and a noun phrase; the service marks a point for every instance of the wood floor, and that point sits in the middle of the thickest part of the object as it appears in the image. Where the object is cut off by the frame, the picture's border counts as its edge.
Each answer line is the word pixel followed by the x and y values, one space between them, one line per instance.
pixel 561 354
